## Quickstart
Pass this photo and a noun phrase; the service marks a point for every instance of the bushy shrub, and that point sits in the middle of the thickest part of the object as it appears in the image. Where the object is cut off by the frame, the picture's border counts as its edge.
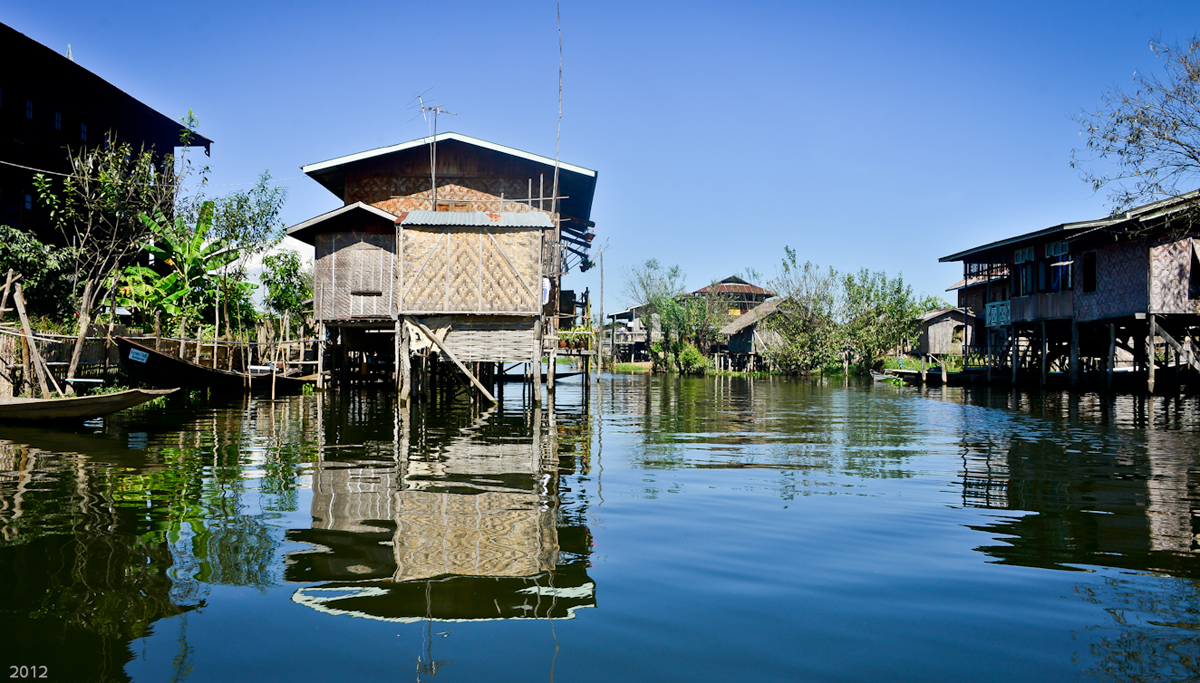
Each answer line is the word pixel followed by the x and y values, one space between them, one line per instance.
pixel 691 361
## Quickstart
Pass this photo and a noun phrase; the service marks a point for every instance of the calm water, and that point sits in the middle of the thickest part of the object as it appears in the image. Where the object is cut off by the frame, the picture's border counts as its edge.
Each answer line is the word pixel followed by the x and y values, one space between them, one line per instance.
pixel 717 529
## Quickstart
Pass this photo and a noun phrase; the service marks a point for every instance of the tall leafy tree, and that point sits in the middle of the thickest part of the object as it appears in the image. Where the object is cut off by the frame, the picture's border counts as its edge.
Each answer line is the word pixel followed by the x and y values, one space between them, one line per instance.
pixel 807 322
pixel 98 208
pixel 288 284
pixel 1143 143
pixel 880 315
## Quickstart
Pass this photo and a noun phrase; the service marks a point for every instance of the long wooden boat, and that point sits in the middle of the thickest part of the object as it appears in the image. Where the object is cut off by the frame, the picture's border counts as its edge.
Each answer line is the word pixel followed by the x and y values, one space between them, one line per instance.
pixel 144 364
pixel 75 407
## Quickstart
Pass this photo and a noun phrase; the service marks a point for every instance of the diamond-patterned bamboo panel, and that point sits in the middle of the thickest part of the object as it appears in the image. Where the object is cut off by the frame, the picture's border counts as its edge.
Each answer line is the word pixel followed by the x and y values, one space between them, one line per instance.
pixel 470 270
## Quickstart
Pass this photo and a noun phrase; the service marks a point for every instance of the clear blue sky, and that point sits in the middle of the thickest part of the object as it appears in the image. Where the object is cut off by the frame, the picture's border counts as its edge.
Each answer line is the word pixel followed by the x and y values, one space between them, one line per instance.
pixel 863 134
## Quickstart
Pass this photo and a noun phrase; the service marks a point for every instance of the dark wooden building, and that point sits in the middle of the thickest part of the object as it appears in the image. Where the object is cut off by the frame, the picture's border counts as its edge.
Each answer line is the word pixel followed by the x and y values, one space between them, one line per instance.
pixel 468 274
pixel 1091 301
pixel 49 104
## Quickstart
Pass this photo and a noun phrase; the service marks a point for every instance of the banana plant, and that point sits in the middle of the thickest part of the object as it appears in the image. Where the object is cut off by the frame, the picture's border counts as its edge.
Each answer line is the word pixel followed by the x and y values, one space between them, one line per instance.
pixel 192 259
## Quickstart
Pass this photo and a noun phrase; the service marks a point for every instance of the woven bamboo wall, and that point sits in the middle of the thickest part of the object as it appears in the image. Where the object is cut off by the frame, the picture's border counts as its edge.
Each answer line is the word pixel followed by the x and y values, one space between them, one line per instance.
pixel 470 270
pixel 1120 282
pixel 354 276
pixel 1172 275
pixel 471 199
pixel 491 339
pixel 488 534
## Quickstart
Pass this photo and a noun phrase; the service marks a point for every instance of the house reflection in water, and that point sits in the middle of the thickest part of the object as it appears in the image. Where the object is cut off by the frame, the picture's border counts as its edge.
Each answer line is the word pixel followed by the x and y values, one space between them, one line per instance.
pixel 1100 495
pixel 462 524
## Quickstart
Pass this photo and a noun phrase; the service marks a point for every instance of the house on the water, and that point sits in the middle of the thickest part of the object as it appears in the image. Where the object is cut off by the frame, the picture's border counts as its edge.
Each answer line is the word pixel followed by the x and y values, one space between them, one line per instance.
pixel 466 269
pixel 1092 301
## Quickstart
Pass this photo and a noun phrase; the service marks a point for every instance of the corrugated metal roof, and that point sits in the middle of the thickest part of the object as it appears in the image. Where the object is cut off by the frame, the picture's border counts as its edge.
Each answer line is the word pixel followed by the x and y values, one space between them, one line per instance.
pixel 475 219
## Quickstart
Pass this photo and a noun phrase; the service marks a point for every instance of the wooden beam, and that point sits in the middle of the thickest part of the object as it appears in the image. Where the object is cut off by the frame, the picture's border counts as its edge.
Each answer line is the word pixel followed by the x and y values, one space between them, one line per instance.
pixel 438 342
pixel 39 365
pixel 1177 346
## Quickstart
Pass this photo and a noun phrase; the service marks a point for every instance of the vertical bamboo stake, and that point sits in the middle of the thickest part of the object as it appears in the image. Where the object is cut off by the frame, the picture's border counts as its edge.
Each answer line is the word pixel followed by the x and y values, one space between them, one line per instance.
pixel 38 363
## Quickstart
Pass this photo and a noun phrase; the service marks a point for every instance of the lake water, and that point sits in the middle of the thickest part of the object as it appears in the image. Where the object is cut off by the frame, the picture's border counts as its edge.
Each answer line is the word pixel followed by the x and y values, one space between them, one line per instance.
pixel 657 529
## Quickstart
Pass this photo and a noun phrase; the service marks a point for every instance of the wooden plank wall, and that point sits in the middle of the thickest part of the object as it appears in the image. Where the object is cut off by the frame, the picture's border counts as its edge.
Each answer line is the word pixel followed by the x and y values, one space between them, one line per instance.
pixel 354 276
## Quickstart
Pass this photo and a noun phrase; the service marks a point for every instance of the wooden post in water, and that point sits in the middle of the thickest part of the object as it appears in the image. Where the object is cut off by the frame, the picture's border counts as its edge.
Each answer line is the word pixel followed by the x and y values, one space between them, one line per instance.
pixel 320 355
pixel 1112 355
pixel 537 361
pixel 945 377
pixel 922 369
pixel 1150 354
pixel 1074 353
pixel 1044 355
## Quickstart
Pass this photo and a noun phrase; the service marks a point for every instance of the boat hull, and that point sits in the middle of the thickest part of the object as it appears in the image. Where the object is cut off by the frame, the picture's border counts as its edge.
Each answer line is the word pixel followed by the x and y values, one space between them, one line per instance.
pixel 147 366
pixel 75 407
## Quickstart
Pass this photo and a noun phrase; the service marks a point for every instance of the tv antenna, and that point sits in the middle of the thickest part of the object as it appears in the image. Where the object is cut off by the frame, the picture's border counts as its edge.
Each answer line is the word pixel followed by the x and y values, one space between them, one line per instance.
pixel 430 113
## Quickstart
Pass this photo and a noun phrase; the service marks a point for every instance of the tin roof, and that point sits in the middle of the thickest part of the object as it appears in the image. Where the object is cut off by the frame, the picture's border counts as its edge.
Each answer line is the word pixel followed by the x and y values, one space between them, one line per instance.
pixel 475 219
pixel 734 285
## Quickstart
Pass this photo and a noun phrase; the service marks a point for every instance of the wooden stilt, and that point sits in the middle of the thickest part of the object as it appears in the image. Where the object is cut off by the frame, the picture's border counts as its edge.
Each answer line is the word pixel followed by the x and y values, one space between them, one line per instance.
pixel 1074 354
pixel 1150 361
pixel 945 376
pixel 405 364
pixel 536 366
pixel 1112 355
pixel 1045 353
pixel 320 355
pixel 1016 356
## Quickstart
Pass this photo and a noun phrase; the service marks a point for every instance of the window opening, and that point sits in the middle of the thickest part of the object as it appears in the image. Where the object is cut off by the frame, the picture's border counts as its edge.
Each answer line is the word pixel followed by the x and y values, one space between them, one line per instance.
pixel 1089 271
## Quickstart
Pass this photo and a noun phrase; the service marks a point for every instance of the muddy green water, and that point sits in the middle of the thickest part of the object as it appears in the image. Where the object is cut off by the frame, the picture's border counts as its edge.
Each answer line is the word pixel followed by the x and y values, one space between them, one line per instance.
pixel 657 530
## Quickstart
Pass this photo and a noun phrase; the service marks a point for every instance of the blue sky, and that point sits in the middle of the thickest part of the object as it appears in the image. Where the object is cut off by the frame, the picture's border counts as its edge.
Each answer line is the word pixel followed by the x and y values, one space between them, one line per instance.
pixel 862 134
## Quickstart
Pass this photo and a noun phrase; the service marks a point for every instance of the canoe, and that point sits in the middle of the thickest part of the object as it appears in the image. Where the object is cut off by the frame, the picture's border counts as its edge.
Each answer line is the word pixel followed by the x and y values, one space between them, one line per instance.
pixel 144 364
pixel 75 407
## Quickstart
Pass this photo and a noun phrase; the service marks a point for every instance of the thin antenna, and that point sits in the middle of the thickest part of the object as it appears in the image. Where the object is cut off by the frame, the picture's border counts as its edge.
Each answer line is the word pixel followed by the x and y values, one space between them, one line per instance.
pixel 425 110
pixel 558 139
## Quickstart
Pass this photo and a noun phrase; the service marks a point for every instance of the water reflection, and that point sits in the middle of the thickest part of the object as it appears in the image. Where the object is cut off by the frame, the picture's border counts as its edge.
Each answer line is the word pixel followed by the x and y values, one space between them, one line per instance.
pixel 1089 489
pixel 459 521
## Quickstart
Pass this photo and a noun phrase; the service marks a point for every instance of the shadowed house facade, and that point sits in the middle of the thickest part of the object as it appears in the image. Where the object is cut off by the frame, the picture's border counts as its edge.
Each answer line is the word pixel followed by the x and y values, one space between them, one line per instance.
pixel 49 104
pixel 1094 301
pixel 470 273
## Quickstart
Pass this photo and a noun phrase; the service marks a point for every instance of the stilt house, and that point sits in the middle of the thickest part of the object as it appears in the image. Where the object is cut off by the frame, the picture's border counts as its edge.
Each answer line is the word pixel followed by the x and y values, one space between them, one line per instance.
pixel 466 256
pixel 1083 299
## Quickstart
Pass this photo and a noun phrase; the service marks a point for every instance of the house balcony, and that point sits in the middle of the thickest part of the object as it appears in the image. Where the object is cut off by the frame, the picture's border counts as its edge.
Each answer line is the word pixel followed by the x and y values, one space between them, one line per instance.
pixel 1048 306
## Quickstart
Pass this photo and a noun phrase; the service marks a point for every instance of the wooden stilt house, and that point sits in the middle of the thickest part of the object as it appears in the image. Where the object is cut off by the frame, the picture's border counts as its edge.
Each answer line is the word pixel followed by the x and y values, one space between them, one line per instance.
pixel 462 263
pixel 1093 300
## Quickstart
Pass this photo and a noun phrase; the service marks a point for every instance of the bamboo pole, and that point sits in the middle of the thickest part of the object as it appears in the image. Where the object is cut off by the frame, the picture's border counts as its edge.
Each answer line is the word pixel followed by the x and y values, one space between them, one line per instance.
pixel 38 363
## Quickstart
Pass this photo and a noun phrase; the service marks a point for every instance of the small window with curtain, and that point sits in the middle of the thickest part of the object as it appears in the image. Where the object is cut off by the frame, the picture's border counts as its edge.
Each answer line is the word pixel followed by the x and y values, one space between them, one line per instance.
pixel 29 109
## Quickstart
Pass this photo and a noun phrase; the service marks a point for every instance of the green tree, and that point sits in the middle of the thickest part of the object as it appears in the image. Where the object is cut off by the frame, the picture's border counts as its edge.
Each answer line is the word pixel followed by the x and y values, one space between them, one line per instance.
pixel 289 286
pixel 190 286
pixel 247 222
pixel 45 271
pixel 1144 144
pixel 807 320
pixel 98 208
pixel 880 315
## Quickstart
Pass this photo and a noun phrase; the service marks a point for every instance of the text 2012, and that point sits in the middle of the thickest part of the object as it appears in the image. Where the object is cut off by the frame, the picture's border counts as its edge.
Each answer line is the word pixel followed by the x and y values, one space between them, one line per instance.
pixel 28 671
